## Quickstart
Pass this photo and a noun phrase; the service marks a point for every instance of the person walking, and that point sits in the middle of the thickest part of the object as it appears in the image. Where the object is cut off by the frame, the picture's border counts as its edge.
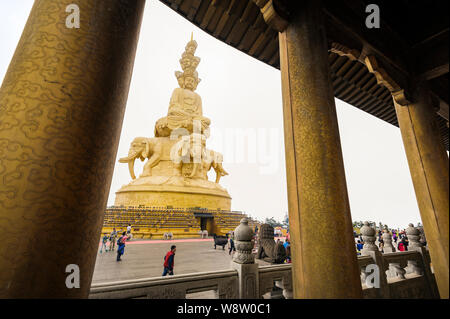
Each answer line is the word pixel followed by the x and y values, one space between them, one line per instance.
pixel 104 241
pixel 231 246
pixel 169 261
pixel 381 244
pixel 403 245
pixel 112 239
pixel 121 246
pixel 359 247
pixel 129 232
pixel 286 244
pixel 288 254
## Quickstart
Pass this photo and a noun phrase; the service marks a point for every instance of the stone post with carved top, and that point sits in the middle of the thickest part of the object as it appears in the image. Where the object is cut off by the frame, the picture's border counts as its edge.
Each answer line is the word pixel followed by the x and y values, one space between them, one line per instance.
pixel 244 261
pixel 387 239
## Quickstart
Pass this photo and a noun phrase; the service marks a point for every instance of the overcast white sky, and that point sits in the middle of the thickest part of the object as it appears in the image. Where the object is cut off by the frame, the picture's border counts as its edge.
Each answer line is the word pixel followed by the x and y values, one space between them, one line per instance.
pixel 239 92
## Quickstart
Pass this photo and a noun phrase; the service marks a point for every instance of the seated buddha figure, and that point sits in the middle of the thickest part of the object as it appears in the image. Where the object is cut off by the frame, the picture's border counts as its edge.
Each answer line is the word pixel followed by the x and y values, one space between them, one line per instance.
pixel 185 107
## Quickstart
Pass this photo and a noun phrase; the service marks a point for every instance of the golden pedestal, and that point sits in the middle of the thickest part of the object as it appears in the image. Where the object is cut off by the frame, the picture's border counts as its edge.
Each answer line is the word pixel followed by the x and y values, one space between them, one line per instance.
pixel 175 191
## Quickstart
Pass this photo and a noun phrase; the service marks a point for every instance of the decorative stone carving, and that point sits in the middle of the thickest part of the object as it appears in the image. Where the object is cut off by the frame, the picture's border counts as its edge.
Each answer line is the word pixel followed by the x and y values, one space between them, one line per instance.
pixel 286 285
pixel 268 249
pixel 413 235
pixel 398 269
pixel 387 239
pixel 227 290
pixel 250 285
pixel 415 266
pixel 368 235
pixel 166 293
pixel 244 261
pixel 243 239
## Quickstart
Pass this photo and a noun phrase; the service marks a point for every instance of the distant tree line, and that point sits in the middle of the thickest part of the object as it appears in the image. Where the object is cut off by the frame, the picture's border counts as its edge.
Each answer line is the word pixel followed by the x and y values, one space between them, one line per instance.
pixel 357 224
pixel 275 223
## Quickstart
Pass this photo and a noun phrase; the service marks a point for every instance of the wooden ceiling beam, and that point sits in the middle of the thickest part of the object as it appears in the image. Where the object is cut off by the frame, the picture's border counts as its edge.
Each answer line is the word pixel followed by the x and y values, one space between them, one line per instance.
pixel 432 58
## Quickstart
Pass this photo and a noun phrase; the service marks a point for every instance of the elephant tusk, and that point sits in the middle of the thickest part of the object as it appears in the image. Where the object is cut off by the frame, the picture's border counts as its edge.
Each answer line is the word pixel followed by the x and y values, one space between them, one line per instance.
pixel 131 168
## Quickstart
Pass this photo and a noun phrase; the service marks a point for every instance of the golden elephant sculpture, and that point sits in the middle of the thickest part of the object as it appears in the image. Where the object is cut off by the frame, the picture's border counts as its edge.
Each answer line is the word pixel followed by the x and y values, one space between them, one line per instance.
pixel 142 148
pixel 214 159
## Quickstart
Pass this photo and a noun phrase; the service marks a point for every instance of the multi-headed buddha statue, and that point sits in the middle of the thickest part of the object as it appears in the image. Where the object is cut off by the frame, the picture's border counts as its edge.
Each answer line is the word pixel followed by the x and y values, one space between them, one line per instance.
pixel 185 106
pixel 177 161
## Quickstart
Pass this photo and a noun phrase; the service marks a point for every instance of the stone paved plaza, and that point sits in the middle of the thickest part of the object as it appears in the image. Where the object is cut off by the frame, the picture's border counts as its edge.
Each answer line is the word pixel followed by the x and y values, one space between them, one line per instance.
pixel 143 259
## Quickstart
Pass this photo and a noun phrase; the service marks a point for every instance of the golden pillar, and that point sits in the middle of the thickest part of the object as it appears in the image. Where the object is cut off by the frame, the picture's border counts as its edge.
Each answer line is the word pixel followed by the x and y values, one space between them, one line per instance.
pixel 62 103
pixel 324 258
pixel 428 164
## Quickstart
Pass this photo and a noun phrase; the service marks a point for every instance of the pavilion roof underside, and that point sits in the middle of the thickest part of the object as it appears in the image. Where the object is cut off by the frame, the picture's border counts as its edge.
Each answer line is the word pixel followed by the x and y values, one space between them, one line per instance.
pixel 420 49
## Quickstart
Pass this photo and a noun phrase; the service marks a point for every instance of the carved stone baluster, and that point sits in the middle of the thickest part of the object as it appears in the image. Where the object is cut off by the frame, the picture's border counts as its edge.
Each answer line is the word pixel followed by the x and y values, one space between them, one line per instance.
pixel 368 235
pixel 288 292
pixel 244 261
pixel 413 234
pixel 398 269
pixel 387 239
pixel 415 267
pixel 370 249
pixel 286 285
pixel 363 275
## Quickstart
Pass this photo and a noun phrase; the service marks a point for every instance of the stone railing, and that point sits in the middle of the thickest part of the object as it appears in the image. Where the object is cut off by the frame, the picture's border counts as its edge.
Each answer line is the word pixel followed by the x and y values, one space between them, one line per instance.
pixel 400 275
pixel 405 274
pixel 390 275
pixel 223 284
pixel 279 276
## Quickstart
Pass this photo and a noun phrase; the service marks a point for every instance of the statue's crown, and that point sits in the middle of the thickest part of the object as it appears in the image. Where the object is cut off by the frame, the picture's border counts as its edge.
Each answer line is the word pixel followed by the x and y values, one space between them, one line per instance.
pixel 191 45
pixel 189 62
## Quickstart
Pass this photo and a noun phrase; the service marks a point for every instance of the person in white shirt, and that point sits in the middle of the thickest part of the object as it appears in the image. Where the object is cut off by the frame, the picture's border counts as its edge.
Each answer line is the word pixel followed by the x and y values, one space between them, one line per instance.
pixel 129 231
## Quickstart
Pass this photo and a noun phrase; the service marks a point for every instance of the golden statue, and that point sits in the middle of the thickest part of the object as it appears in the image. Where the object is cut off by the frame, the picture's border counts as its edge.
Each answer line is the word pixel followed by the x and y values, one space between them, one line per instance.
pixel 185 105
pixel 177 160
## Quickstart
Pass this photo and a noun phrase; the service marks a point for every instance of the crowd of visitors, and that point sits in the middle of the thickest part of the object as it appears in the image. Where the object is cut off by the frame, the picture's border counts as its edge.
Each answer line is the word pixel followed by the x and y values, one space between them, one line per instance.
pixel 286 244
pixel 111 238
pixel 399 240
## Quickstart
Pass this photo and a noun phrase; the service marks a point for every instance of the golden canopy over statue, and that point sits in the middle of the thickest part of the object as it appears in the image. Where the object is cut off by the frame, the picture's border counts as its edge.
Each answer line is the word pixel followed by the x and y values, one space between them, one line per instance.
pixel 185 105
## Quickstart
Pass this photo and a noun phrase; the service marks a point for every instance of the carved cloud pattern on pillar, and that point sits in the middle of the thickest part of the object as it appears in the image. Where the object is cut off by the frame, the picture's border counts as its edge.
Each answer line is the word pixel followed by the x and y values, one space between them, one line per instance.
pixel 59 129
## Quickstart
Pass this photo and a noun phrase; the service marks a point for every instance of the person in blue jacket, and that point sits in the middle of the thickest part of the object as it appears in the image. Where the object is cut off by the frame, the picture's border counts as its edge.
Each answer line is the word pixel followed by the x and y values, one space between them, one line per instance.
pixel 121 245
pixel 169 261
pixel 359 247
